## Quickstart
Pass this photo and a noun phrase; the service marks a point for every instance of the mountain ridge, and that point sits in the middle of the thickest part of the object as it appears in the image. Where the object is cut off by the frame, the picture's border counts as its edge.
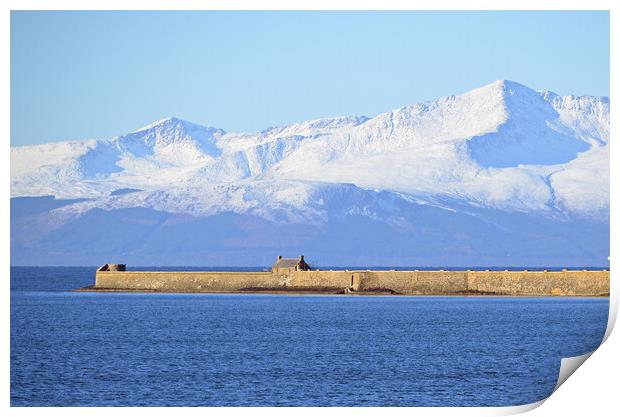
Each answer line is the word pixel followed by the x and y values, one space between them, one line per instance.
pixel 501 148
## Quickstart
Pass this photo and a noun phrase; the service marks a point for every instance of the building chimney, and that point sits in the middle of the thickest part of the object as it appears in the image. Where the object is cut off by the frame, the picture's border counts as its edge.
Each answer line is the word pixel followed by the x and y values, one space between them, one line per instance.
pixel 301 258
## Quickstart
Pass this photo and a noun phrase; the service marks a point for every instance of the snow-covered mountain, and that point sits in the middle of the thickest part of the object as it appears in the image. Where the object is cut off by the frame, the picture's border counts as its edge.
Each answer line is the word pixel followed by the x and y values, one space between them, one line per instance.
pixel 501 175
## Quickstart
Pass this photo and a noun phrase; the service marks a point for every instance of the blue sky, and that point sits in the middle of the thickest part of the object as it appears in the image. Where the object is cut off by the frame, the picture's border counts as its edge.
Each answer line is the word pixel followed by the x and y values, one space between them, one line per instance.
pixel 78 75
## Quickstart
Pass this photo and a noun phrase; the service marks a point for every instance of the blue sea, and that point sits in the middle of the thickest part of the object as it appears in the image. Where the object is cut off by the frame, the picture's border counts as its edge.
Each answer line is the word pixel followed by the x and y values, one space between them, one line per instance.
pixel 129 349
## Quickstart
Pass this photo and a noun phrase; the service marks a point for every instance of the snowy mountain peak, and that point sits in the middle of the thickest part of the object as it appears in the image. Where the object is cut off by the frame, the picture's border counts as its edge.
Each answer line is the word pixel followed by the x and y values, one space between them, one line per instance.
pixel 509 85
pixel 172 128
pixel 174 123
pixel 156 123
pixel 172 141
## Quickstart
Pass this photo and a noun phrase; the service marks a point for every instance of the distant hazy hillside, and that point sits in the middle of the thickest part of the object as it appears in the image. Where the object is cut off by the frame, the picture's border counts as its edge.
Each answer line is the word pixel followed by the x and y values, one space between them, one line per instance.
pixel 502 175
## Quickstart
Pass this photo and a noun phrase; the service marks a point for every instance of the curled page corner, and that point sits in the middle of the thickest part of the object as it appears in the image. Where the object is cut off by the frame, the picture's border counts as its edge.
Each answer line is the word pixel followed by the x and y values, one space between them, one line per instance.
pixel 568 366
pixel 519 409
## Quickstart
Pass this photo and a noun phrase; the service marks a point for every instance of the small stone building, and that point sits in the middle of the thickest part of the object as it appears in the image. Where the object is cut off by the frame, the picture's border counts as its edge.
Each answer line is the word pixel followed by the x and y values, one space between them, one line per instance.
pixel 286 265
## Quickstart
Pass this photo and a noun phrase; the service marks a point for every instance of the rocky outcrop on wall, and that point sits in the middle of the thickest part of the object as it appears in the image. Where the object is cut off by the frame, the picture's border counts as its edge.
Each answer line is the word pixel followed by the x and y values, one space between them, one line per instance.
pixel 112 267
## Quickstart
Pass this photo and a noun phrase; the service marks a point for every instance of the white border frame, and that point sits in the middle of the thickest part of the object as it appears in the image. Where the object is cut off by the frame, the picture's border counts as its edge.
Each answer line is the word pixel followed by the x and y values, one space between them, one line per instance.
pixel 592 391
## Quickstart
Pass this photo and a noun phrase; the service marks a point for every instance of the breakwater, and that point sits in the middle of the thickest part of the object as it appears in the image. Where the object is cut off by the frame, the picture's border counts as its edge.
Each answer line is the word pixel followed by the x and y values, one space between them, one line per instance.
pixel 418 282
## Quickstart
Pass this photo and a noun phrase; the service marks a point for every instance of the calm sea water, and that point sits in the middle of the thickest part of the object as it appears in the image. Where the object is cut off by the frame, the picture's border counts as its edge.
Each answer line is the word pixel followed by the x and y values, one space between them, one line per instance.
pixel 96 349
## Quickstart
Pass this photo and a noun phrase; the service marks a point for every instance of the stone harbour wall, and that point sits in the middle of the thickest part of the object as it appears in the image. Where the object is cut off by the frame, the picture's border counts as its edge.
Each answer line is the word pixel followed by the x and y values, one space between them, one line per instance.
pixel 517 283
pixel 186 281
pixel 535 283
